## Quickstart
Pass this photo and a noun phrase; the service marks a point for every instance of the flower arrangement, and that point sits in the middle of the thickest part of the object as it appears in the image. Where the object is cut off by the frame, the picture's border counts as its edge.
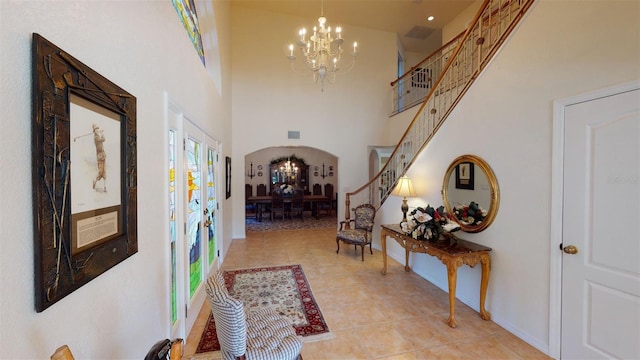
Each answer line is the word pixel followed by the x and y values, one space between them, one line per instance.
pixel 286 189
pixel 472 214
pixel 429 223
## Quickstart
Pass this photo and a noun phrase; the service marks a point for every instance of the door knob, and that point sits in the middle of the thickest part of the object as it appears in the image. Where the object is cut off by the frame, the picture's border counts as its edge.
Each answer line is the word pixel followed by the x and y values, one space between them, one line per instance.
pixel 570 249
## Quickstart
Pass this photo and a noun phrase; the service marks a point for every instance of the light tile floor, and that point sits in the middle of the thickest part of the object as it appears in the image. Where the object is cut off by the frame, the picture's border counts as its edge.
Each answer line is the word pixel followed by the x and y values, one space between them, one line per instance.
pixel 373 316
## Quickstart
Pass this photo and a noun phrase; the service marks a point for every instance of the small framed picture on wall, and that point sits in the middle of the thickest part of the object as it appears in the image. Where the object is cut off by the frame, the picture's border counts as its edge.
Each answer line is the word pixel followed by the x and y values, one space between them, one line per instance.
pixel 464 176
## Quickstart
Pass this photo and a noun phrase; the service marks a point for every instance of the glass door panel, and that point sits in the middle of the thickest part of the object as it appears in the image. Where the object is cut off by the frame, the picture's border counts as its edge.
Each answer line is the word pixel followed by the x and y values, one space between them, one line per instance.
pixel 194 213
pixel 210 212
pixel 172 226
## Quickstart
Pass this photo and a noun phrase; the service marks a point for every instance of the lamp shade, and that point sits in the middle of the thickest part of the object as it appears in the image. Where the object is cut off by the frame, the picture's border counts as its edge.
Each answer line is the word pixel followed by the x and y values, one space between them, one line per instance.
pixel 404 188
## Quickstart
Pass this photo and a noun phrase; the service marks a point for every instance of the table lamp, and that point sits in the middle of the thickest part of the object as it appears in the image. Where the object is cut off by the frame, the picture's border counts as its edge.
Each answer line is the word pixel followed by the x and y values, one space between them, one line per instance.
pixel 404 189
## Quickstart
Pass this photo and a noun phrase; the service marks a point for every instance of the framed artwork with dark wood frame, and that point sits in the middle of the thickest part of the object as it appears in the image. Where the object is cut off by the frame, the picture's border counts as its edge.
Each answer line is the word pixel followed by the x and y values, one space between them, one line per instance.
pixel 228 176
pixel 464 176
pixel 84 173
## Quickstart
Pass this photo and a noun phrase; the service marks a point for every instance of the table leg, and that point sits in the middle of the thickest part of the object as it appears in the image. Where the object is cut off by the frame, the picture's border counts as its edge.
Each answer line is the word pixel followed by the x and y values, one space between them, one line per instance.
pixel 406 258
pixel 383 243
pixel 452 275
pixel 484 282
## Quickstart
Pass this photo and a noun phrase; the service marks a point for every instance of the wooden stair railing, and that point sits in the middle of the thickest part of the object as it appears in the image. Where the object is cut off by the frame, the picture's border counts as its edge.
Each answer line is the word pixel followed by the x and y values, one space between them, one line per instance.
pixel 491 26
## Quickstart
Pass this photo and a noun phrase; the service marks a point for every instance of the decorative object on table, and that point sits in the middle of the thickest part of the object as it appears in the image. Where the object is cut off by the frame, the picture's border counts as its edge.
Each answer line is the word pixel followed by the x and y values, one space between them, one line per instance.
pixel 81 229
pixel 485 194
pixel 322 51
pixel 285 287
pixel 430 224
pixel 404 189
pixel 471 215
pixel 287 189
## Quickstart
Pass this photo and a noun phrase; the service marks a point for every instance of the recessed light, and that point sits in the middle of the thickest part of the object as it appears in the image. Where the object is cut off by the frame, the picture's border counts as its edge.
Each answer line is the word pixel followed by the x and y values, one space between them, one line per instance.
pixel 430 18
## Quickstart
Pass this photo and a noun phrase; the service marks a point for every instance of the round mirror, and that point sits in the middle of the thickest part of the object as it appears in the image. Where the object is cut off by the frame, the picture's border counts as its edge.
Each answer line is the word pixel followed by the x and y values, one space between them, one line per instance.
pixel 470 193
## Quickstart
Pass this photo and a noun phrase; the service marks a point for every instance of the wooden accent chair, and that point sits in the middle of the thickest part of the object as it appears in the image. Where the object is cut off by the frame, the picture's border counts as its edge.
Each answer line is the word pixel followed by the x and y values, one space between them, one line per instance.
pixel 317 189
pixel 263 334
pixel 277 204
pixel 360 232
pixel 297 203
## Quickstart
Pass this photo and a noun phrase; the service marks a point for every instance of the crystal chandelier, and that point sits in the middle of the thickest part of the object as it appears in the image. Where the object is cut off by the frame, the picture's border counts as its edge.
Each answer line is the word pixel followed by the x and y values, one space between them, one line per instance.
pixel 289 172
pixel 322 51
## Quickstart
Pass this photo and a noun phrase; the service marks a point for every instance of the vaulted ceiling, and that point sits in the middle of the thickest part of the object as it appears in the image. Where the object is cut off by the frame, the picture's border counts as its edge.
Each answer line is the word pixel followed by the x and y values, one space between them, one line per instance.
pixel 407 18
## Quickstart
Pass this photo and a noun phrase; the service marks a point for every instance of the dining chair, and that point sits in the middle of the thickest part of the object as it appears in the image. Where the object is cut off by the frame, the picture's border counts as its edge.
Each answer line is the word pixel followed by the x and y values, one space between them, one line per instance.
pixel 277 204
pixel 327 205
pixel 297 203
pixel 360 233
pixel 250 209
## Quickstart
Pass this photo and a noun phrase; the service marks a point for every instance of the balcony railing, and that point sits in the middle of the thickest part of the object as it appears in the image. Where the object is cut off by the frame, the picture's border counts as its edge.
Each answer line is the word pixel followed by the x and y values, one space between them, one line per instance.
pixel 412 87
pixel 457 69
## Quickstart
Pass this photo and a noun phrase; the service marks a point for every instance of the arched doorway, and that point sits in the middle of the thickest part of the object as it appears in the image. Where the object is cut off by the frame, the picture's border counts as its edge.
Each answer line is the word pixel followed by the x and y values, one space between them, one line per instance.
pixel 300 166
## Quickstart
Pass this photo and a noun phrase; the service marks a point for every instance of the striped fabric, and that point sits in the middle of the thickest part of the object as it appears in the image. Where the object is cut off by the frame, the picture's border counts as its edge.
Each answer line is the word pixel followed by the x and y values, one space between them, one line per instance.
pixel 265 334
pixel 231 326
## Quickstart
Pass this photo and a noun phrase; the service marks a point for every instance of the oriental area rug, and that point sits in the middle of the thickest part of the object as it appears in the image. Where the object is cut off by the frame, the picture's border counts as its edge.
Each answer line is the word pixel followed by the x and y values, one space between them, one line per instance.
pixel 284 288
pixel 308 222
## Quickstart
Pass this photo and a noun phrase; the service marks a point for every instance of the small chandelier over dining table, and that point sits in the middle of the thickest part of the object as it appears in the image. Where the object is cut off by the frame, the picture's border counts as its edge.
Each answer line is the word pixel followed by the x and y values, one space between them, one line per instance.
pixel 289 171
pixel 322 51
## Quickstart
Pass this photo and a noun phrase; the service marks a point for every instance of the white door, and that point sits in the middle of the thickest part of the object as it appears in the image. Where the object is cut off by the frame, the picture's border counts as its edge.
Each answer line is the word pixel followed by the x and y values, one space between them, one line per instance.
pixel 601 229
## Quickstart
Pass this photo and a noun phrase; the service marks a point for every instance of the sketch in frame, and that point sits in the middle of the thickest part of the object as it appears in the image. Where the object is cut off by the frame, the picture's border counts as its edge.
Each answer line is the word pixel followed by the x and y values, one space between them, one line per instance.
pixel 84 173
pixel 95 156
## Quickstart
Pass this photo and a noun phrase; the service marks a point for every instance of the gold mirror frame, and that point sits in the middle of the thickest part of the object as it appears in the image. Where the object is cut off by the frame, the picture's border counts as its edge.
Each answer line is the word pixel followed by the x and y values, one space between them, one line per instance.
pixel 494 194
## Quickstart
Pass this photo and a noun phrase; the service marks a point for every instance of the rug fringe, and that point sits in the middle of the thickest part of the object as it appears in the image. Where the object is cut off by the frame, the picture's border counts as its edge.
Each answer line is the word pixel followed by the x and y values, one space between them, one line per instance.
pixel 319 337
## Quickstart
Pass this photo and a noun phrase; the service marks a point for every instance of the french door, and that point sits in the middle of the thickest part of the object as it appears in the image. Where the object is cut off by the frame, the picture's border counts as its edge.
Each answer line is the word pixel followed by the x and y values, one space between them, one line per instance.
pixel 193 178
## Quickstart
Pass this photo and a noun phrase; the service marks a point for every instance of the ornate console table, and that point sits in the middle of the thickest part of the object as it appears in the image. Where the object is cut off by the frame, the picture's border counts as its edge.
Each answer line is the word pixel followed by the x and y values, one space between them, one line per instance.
pixel 453 255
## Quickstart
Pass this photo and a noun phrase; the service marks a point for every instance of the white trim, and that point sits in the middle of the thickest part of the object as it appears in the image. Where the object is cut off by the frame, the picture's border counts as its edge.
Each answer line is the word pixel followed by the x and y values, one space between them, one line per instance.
pixel 557 194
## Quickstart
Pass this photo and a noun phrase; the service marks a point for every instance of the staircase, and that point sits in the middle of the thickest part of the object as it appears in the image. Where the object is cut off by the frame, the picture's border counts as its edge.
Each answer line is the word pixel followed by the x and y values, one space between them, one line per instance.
pixel 458 64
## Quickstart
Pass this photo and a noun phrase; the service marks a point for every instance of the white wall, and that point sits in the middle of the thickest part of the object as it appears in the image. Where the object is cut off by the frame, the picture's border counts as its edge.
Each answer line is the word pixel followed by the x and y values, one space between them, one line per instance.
pixel 269 98
pixel 562 48
pixel 142 47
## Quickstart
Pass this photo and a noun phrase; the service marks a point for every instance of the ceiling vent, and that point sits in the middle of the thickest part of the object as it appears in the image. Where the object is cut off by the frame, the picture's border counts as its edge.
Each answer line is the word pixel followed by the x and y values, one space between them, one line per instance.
pixel 419 32
pixel 293 134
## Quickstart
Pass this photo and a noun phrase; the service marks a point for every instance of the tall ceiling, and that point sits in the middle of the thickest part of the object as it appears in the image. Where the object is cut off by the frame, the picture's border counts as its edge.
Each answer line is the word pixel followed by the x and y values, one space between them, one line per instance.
pixel 407 18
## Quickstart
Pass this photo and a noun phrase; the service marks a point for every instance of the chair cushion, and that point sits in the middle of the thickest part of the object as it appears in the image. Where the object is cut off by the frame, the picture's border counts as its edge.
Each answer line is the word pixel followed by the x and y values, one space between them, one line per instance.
pixel 353 236
pixel 229 316
pixel 271 336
